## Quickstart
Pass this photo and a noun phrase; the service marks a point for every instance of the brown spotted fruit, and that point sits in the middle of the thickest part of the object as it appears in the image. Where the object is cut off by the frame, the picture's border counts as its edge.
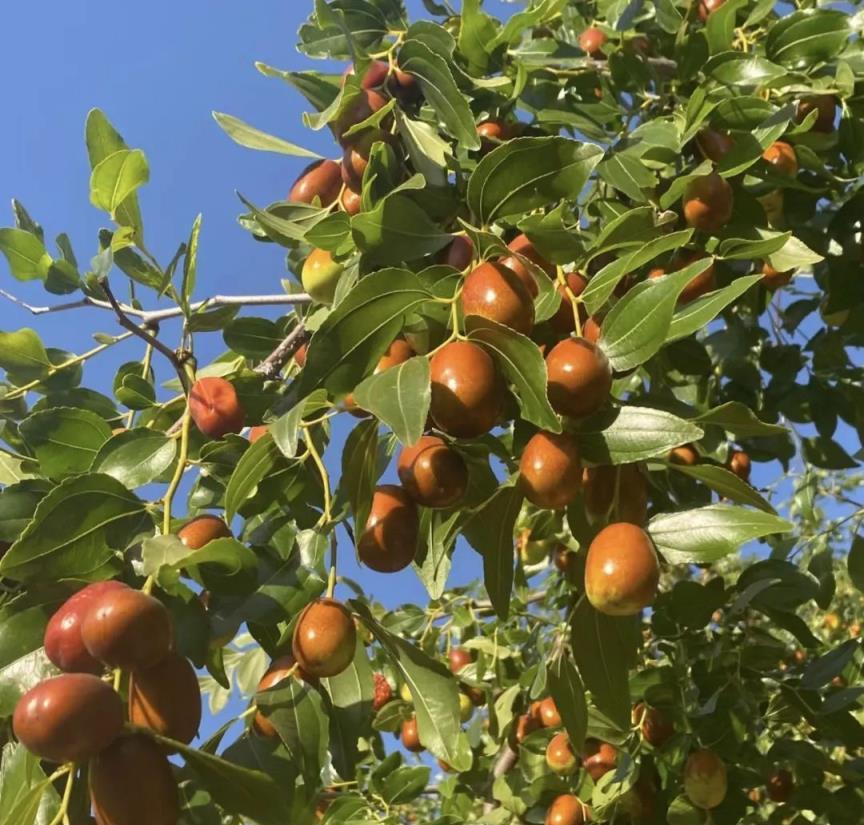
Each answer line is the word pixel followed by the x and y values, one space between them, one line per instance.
pixel 324 639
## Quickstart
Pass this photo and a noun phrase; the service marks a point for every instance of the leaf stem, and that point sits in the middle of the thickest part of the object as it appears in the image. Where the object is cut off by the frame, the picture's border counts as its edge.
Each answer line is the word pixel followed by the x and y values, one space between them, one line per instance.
pixel 322 470
pixel 64 802
pixel 145 368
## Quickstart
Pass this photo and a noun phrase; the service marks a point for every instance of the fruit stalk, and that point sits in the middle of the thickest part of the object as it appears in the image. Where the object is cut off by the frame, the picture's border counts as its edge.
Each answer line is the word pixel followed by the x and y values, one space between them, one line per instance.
pixel 62 814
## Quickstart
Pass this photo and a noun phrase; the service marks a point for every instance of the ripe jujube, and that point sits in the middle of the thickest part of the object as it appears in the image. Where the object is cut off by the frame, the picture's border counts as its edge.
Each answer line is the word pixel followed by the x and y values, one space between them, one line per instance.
pixel 714 145
pixel 705 779
pixel 68 718
pixel 374 75
pixel 707 203
pixel 382 692
pixel 398 352
pixel 321 179
pixel 580 377
pixel 367 102
pixel 350 201
pixel 491 133
pixel 739 463
pixel 599 485
pixel 279 670
pixel 389 539
pixel 559 755
pixel 826 109
pixel 324 638
pixel 215 407
pixel 493 291
pixel 781 157
pixel 656 728
pixel 621 570
pixel 699 285
pixel 775 279
pixel 548 712
pixel 433 473
pixel 550 471
pixel 256 432
pixel 567 809
pixel 203 529
pixel 780 786
pixel 592 41
pixel 521 245
pixel 706 7
pixel 458 253
pixel 459 658
pixel 598 758
pixel 410 735
pixel 563 321
pixel 685 454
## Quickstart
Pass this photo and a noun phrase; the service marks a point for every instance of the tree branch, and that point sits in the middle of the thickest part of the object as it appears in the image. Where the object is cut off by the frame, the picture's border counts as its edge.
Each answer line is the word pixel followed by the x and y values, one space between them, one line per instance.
pixel 272 365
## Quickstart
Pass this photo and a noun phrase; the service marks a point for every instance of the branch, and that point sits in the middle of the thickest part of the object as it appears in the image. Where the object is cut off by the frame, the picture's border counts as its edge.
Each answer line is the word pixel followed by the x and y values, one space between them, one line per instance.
pixel 153 315
pixel 272 365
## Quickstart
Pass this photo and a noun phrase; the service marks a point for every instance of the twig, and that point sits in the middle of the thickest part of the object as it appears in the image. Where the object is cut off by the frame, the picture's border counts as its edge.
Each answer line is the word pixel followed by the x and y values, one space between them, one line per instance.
pixel 272 365
pixel 149 316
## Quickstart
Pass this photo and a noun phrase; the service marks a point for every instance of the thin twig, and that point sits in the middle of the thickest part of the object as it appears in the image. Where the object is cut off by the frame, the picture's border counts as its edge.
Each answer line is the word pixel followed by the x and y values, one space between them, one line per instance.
pixel 272 365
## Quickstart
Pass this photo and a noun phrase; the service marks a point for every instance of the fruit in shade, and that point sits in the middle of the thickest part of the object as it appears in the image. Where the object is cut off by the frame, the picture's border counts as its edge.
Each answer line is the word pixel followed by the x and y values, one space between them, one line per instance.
pixel 531 551
pixel 64 646
pixel 707 203
pixel 128 629
pixel 324 638
pixel 563 321
pixel 621 570
pixel 382 692
pixel 411 735
pixel 592 41
pixel 598 484
pixel 491 132
pixel 781 156
pixel 257 432
pixel 355 157
pixel 350 201
pixel 404 86
pixel 567 809
pixel 826 108
pixel 4 546
pixel 780 786
pixel 656 728
pixel 550 470
pixel 591 330
pixel 705 779
pixel 300 355
pixel 598 758
pixel 714 145
pixel 549 716
pixel 567 563
pixel 131 783
pixel 458 253
pixel 706 7
pixel 166 698
pixel 68 718
pixel 467 394
pixel 493 291
pixel 398 352
pixel 321 179
pixel 320 275
pixel 203 529
pixel 389 539
pixel 580 377
pixel 698 286
pixel 739 463
pixel 459 658
pixel 215 408
pixel 685 454
pixel 363 106
pixel 559 755
pixel 521 245
pixel 374 76
pixel 773 278
pixel 466 707
pixel 278 671
pixel 432 472
pixel 526 724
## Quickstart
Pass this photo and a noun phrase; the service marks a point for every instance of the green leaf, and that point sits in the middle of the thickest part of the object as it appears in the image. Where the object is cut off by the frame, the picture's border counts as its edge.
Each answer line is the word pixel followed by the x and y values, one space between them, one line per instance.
pixel 740 420
pixel 720 25
pixel 433 560
pixel 709 533
pixel 23 788
pixel 794 254
pixel 804 38
pixel 737 69
pixel 252 337
pixel 697 314
pixel 827 454
pixel 522 364
pixel 352 339
pixel 628 175
pixel 440 90
pixel 631 434
pixel 527 173
pixel 190 263
pixel 259 461
pixel 17 504
pixel 434 691
pixel 223 566
pixel 23 353
pixel 252 138
pixel 748 249
pixel 430 154
pixel 21 674
pixel 637 326
pixel 116 178
pixel 136 457
pixel 28 259
pixel 725 483
pixel 489 530
pixel 162 551
pixel 566 688
pixel 855 562
pixel 75 531
pixel 476 36
pixel 360 470
pixel 65 440
pixel 399 397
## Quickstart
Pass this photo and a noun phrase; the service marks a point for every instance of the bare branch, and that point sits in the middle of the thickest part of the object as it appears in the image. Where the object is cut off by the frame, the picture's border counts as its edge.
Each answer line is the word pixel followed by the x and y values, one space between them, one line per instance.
pixel 272 365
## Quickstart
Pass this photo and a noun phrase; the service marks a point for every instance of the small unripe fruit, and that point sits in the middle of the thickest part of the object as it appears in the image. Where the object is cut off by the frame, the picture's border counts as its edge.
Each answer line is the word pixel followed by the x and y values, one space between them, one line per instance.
pixel 202 530
pixel 598 758
pixel 278 671
pixel 707 203
pixel 685 454
pixel 459 658
pixel 433 473
pixel 781 156
pixel 405 693
pixel 321 179
pixel 215 408
pixel 559 755
pixel 127 629
pixel 714 145
pixel 826 108
pixel 531 551
pixel 320 275
pixel 466 707
pixel 495 292
pixel 739 463
pixel 68 718
pixel 655 726
pixel 458 253
pixel 705 779
pixel 780 786
pixel 592 41
pixel 389 539
pixel 550 472
pixel 324 638
pixel 580 377
pixel 64 646
pixel 548 712
pixel 166 698
pixel 567 809
pixel 411 735
pixel 599 484
pixel 382 692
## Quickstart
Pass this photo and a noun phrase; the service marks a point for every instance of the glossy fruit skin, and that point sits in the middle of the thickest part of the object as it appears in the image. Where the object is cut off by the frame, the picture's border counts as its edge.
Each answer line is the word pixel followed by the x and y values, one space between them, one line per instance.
pixel 322 179
pixel 524 247
pixel 685 454
pixel 580 377
pixel 325 638
pixel 215 408
pixel 705 779
pixel 493 291
pixel 432 472
pixel 389 539
pixel 257 432
pixel 63 644
pixel 706 7
pixel 592 41
pixel 127 629
pixel 563 321
pixel 365 104
pixel 355 157
pixel 567 809
pixel 780 786
pixel 458 253
pixel 656 728
pixel 714 145
pixel 459 658
pixel 559 755
pixel 598 484
pixel 548 711
pixel 277 672
pixel 491 133
pixel 300 355
pixel 826 107
pixel 166 698
pixel 351 201
pixel 550 470
pixel 320 275
pixel 68 718
pixel 410 735
pixel 621 570
pixel 205 528
pixel 707 203
pixel 781 156
pixel 591 331
pixel 773 278
pixel 526 724
pixel 599 758
pixel 467 394
pixel 131 783
pixel 383 693
pixel 739 463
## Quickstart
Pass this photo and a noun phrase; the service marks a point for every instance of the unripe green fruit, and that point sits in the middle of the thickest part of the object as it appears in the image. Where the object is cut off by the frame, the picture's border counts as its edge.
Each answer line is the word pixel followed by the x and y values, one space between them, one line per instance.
pixel 705 779
pixel 466 707
pixel 320 276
